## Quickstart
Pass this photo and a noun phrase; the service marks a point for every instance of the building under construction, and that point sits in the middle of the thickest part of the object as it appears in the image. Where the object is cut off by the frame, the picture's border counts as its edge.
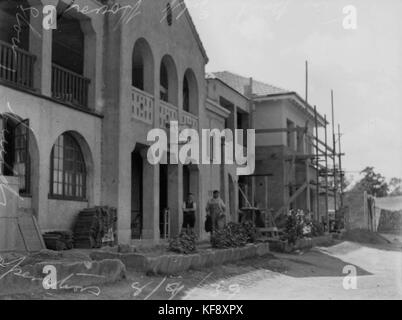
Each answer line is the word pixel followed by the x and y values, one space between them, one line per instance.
pixel 298 162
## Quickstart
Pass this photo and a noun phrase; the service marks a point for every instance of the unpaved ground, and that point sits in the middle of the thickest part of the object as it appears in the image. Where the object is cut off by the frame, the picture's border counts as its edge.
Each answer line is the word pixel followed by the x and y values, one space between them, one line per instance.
pixel 315 274
pixel 318 274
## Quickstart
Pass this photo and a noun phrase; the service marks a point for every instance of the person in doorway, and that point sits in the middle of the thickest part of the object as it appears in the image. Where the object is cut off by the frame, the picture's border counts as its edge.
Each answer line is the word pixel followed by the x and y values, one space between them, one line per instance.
pixel 216 209
pixel 189 208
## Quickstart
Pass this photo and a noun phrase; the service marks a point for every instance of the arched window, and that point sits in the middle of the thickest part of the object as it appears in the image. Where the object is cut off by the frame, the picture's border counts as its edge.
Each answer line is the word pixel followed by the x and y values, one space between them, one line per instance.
pixel 14 151
pixel 68 173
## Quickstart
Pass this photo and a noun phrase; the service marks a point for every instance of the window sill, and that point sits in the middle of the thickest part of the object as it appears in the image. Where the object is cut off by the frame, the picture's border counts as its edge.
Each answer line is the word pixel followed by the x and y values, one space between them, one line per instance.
pixel 62 198
pixel 25 195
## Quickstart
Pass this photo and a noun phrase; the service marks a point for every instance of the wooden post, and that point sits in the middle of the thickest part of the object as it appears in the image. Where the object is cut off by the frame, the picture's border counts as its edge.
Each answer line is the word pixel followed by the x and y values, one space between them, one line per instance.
pixel 340 165
pixel 266 192
pixel 306 81
pixel 253 191
pixel 308 195
pixel 326 172
pixel 317 162
pixel 365 209
pixel 334 149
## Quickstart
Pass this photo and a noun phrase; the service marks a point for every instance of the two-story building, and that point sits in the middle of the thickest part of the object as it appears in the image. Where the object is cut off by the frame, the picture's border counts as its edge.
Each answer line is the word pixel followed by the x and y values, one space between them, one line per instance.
pixel 51 93
pixel 286 166
pixel 78 102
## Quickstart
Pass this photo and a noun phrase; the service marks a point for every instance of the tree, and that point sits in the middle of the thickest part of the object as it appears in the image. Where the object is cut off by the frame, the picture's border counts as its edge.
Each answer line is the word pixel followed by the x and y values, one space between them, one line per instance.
pixel 395 186
pixel 372 182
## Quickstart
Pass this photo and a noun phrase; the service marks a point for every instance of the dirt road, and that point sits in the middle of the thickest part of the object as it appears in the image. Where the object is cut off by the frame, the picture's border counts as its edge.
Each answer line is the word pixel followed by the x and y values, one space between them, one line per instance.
pixel 314 274
pixel 318 274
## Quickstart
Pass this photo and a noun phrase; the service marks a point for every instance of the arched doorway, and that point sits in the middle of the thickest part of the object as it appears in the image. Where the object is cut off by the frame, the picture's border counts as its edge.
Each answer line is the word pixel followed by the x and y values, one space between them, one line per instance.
pixel 143 66
pixel 190 92
pixel 168 81
pixel 137 192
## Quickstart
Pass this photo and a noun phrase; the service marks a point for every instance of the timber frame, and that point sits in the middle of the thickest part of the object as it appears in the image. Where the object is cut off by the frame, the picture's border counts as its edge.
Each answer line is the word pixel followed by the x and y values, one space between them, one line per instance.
pixel 329 178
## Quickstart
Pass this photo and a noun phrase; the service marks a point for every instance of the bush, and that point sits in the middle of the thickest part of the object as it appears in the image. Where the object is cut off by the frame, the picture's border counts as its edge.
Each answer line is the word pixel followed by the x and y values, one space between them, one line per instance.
pixel 294 226
pixel 233 235
pixel 184 243
pixel 299 226
pixel 317 229
pixel 250 230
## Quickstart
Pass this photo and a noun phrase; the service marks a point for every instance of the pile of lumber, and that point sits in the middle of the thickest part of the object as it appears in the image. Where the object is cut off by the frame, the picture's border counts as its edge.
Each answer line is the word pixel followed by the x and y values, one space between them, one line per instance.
pixel 95 227
pixel 59 240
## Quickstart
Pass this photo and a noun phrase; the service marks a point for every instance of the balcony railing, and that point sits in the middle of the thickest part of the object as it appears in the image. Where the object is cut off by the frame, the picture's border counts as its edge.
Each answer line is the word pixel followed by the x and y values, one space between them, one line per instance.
pixel 168 112
pixel 142 106
pixel 16 66
pixel 69 86
pixel 143 109
pixel 188 120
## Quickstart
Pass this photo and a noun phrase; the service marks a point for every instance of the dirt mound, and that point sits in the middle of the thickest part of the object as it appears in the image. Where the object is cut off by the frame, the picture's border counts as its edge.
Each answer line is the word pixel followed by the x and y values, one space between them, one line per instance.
pixel 364 236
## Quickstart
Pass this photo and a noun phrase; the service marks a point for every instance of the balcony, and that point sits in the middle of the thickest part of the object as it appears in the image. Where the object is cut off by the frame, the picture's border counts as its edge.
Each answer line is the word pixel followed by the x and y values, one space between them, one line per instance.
pixel 188 120
pixel 16 66
pixel 142 106
pixel 69 87
pixel 168 112
pixel 143 109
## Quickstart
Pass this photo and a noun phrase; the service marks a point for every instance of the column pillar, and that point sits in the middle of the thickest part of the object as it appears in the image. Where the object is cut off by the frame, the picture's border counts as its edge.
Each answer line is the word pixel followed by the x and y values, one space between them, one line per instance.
pixel 40 44
pixel 175 198
pixel 92 50
pixel 150 214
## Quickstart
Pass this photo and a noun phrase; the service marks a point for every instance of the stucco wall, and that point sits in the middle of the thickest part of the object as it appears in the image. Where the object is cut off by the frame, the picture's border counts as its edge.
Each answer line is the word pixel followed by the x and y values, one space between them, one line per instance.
pixel 270 114
pixel 179 43
pixel 48 120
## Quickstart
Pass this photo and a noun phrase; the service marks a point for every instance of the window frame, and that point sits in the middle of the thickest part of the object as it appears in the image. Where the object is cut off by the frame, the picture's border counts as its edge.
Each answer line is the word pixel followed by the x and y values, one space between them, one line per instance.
pixel 18 131
pixel 69 142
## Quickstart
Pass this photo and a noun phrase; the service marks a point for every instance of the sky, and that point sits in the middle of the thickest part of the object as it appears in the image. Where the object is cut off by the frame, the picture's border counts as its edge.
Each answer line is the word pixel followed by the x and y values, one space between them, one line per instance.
pixel 270 40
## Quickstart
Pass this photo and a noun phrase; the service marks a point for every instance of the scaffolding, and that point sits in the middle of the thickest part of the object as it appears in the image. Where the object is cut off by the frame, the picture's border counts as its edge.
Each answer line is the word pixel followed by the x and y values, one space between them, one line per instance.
pixel 328 180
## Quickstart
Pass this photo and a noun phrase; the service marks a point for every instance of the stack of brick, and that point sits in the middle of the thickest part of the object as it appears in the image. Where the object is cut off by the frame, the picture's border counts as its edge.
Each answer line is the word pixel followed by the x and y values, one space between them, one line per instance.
pixel 95 227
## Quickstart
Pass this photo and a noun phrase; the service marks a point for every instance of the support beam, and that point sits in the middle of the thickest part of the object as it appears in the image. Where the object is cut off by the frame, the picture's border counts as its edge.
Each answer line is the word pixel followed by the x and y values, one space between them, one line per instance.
pixel 292 199
pixel 281 130
pixel 317 169
pixel 340 166
pixel 326 175
pixel 334 147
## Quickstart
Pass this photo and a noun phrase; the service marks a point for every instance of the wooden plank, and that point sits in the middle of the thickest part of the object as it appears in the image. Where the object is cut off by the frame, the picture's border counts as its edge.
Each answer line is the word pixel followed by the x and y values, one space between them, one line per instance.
pixel 30 233
pixel 281 130
pixel 292 199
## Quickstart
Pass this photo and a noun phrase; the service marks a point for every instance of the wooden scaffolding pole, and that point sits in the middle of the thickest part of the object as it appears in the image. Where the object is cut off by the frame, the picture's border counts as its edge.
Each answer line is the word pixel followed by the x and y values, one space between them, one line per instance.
pixel 333 148
pixel 340 165
pixel 306 81
pixel 326 174
pixel 317 166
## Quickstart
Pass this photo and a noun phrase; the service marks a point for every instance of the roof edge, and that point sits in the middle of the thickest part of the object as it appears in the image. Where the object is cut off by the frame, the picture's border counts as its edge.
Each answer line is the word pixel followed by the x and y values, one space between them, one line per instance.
pixel 195 32
pixel 229 87
pixel 293 94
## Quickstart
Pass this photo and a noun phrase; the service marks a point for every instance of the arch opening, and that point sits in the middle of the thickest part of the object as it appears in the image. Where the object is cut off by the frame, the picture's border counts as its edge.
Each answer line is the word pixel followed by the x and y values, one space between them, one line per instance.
pixel 190 92
pixel 142 67
pixel 168 81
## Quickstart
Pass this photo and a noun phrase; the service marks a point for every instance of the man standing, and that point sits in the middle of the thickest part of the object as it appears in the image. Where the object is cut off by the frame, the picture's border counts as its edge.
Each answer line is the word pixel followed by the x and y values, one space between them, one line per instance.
pixel 216 208
pixel 189 208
